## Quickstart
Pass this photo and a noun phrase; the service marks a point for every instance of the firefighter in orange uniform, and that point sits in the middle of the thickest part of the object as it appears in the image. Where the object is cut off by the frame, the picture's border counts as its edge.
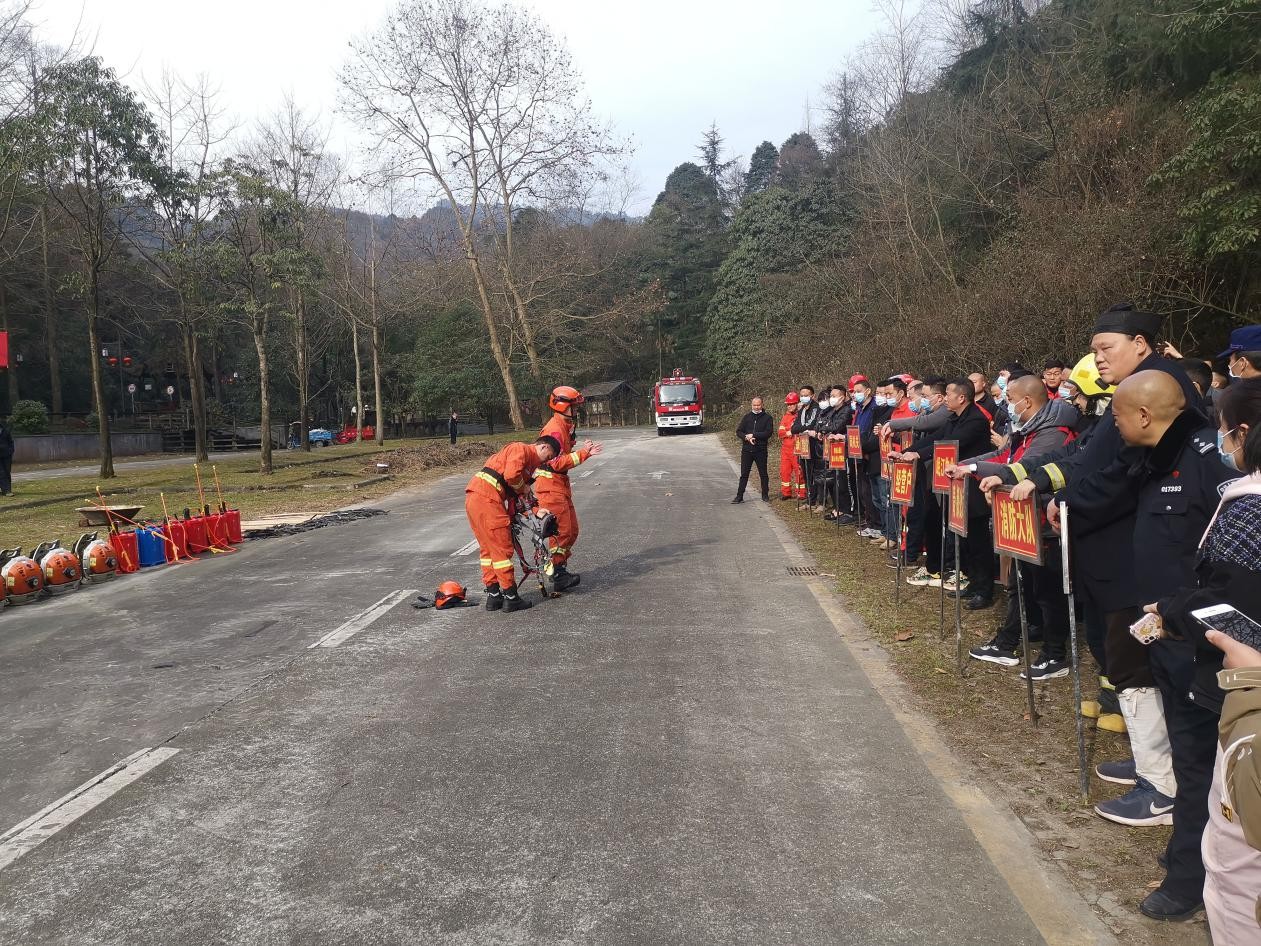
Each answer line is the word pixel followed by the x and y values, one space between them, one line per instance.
pixel 489 499
pixel 552 483
pixel 789 472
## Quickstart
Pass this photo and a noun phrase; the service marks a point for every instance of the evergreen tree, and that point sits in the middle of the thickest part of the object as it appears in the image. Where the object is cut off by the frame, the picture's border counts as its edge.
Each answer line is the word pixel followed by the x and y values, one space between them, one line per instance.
pixel 761 168
pixel 799 160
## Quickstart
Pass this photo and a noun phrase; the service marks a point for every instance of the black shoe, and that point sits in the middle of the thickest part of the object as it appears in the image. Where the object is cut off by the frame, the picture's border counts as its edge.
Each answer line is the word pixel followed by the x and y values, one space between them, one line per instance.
pixel 766 499
pixel 978 603
pixel 738 499
pixel 994 653
pixel 1047 668
pixel 494 598
pixel 563 579
pixel 1160 905
pixel 514 602
pixel 788 499
pixel 846 519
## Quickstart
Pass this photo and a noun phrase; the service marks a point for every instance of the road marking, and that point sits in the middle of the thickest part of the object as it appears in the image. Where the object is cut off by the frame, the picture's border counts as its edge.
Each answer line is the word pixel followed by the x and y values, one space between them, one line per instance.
pixel 46 822
pixel 657 474
pixel 465 549
pixel 586 473
pixel 362 620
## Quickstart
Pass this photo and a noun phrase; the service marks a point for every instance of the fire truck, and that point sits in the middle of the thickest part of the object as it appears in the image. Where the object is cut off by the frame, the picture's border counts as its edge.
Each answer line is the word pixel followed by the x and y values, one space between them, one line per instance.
pixel 677 404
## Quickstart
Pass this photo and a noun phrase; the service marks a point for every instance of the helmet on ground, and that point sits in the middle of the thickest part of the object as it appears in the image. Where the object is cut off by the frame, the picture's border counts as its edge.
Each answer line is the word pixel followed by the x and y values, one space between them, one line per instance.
pixel 450 594
pixel 792 398
pixel 563 398
pixel 1086 376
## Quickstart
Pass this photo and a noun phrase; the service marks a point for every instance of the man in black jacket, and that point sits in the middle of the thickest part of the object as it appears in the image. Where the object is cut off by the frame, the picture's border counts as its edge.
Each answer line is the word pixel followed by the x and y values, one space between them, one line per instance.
pixel 755 431
pixel 967 425
pixel 6 458
pixel 807 422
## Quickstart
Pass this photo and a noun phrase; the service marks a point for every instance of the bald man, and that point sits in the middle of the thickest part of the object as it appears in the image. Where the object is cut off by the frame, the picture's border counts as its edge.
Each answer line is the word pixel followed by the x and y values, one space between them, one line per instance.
pixel 1038 427
pixel 1177 474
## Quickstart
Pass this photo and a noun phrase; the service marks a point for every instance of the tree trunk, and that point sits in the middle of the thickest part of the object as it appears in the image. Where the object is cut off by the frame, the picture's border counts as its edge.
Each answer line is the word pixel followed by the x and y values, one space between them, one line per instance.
pixel 304 369
pixel 264 399
pixel 196 387
pixel 98 382
pixel 215 369
pixel 50 320
pixel 12 370
pixel 354 344
pixel 378 401
pixel 496 349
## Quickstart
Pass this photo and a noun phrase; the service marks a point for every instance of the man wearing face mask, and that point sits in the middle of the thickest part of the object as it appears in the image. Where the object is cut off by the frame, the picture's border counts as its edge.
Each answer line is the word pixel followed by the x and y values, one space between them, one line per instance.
pixel 807 422
pixel 863 395
pixel 834 484
pixel 1243 356
pixel 1038 426
pixel 928 416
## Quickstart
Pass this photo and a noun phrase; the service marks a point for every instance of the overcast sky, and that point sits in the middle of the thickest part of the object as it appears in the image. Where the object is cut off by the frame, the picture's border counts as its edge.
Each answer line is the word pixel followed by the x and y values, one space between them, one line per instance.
pixel 660 70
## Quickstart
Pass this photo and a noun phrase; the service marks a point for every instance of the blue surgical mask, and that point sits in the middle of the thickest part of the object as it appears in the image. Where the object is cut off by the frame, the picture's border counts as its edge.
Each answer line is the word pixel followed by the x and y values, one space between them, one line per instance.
pixel 923 405
pixel 881 400
pixel 1065 393
pixel 1013 413
pixel 805 399
pixel 1002 383
pixel 859 397
pixel 914 406
pixel 1227 458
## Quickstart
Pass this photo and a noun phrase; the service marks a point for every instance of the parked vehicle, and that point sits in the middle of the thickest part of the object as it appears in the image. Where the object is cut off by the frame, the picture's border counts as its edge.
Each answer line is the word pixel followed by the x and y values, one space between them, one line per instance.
pixel 677 403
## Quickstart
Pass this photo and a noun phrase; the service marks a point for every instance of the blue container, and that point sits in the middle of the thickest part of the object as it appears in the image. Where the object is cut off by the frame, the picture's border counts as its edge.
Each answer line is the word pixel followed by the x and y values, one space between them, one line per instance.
pixel 149 547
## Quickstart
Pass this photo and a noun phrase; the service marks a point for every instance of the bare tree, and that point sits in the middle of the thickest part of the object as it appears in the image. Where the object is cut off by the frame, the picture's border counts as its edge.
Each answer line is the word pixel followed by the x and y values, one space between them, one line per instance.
pixel 484 104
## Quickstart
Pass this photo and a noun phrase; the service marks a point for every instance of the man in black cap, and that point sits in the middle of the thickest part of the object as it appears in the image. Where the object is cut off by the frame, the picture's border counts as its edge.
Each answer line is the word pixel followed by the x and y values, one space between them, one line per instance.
pixel 1243 356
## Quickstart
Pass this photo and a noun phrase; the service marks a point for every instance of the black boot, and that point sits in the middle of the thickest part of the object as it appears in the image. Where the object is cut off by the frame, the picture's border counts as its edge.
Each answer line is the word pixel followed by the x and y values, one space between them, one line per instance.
pixel 494 598
pixel 563 579
pixel 513 601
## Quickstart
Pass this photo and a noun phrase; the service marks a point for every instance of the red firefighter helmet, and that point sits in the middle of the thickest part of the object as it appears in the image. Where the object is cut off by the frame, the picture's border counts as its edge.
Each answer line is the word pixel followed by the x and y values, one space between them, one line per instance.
pixel 450 594
pixel 563 398
pixel 23 581
pixel 61 567
pixel 792 398
pixel 855 378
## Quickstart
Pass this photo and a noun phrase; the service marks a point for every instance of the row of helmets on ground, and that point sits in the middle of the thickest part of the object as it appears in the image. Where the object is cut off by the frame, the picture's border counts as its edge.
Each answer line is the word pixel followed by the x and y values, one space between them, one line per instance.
pixel 52 569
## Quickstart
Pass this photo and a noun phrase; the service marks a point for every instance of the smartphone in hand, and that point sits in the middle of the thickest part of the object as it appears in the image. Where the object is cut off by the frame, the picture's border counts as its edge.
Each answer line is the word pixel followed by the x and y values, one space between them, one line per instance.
pixel 1230 621
pixel 1147 629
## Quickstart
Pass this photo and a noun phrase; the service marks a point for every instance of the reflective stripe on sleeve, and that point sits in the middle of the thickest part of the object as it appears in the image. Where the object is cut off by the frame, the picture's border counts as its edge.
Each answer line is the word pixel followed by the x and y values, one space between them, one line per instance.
pixel 1056 476
pixel 483 475
pixel 1019 470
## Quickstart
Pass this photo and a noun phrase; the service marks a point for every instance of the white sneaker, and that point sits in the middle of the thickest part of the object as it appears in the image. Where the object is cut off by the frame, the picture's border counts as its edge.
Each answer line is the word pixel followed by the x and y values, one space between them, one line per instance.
pixel 921 577
pixel 951 581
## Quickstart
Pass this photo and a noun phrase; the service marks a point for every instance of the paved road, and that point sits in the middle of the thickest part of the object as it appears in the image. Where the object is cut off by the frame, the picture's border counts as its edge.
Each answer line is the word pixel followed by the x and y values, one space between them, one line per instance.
pixel 122 466
pixel 683 751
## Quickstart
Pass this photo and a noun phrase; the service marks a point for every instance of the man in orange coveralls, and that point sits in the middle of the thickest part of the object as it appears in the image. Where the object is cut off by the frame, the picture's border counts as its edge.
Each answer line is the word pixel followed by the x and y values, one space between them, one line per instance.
pixel 552 484
pixel 488 501
pixel 789 469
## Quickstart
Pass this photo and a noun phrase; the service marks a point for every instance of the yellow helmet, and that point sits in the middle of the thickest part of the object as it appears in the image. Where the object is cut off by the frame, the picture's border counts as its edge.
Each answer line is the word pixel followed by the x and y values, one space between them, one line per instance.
pixel 1086 376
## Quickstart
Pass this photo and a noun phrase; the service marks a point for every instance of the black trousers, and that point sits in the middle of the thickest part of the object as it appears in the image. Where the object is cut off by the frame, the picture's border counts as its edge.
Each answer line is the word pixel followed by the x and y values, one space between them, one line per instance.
pixel 1193 745
pixel 6 472
pixel 977 550
pixel 919 522
pixel 750 455
pixel 1044 590
pixel 453 436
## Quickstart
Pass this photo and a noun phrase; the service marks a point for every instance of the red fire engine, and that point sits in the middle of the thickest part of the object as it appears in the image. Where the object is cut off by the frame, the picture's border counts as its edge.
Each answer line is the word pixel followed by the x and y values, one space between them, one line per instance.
pixel 677 404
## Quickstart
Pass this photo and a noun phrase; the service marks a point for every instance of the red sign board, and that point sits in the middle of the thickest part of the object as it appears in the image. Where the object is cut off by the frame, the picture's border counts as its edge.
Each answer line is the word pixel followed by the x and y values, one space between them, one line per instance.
pixel 945 454
pixel 902 486
pixel 904 439
pixel 886 447
pixel 4 350
pixel 801 446
pixel 1017 527
pixel 886 469
pixel 958 518
pixel 854 442
pixel 836 454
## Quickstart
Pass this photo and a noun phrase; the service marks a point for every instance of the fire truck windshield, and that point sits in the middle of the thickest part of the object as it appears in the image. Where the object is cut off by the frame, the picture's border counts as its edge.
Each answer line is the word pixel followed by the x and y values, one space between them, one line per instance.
pixel 677 394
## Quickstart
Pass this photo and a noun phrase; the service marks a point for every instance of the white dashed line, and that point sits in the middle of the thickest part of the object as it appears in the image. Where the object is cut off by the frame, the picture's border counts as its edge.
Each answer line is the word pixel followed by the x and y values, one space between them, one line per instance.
pixel 46 822
pixel 465 549
pixel 362 620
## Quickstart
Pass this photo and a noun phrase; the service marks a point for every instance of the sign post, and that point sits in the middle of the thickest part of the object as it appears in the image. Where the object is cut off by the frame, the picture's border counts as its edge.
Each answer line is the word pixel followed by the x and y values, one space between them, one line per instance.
pixel 1083 776
pixel 1018 533
pixel 902 494
pixel 945 455
pixel 957 521
pixel 854 450
pixel 838 465
pixel 801 450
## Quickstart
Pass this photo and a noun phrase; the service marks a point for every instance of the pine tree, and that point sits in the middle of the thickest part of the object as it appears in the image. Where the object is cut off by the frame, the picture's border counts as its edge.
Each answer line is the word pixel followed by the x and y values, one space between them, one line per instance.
pixel 762 168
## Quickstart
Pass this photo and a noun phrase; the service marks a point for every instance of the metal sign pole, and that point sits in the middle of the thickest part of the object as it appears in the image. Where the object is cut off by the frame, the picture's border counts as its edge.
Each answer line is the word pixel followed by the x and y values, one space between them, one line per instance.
pixel 958 616
pixel 1083 775
pixel 1024 639
pixel 897 588
pixel 941 617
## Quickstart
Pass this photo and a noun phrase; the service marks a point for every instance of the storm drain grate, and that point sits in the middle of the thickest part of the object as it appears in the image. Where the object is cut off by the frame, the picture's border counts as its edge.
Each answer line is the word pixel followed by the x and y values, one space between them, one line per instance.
pixel 802 571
